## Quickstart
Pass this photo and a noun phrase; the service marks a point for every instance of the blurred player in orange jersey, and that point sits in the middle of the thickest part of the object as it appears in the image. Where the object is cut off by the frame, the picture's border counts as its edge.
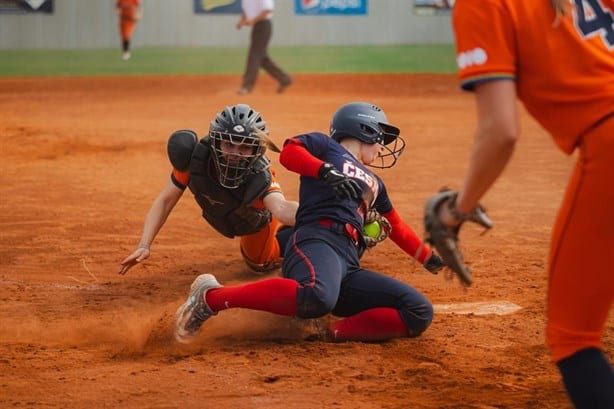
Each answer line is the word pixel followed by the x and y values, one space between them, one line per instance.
pixel 232 181
pixel 128 12
pixel 557 57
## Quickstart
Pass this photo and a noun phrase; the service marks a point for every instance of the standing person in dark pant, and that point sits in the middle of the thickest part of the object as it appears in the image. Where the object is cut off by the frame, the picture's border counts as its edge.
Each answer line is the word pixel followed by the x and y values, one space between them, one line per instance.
pixel 258 14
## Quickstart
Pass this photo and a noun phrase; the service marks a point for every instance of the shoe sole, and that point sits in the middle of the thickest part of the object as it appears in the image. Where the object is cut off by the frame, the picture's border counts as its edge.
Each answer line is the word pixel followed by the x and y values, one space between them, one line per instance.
pixel 184 312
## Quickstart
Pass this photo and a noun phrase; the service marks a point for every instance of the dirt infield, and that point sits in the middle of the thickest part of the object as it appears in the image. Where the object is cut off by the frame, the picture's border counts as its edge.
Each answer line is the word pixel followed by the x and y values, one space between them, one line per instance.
pixel 83 158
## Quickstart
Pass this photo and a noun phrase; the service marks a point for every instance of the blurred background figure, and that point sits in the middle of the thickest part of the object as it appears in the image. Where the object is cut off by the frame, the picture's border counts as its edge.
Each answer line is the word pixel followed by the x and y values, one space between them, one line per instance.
pixel 128 12
pixel 258 14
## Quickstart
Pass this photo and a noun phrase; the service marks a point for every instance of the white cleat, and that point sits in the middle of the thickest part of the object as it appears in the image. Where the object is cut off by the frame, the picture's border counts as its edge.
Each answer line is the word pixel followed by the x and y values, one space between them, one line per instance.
pixel 191 315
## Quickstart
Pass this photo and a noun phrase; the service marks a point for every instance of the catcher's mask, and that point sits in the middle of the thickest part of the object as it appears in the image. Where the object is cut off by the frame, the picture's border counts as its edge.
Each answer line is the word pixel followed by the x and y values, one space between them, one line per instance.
pixel 236 144
pixel 368 123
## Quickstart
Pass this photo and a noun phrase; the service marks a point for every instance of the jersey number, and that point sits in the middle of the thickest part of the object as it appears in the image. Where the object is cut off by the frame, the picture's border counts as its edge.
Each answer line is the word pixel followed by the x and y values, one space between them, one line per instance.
pixel 598 20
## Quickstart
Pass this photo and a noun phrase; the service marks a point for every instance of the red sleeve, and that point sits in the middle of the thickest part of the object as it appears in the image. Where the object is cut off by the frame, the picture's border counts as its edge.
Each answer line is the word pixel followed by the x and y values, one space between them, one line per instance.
pixel 296 158
pixel 406 238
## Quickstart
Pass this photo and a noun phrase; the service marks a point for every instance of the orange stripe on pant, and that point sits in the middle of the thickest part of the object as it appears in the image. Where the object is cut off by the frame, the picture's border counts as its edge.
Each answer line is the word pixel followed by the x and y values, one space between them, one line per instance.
pixel 581 275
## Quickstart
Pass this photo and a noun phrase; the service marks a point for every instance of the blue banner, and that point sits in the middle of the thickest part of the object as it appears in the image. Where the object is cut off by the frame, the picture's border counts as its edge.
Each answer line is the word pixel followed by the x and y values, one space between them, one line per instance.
pixel 328 7
pixel 217 6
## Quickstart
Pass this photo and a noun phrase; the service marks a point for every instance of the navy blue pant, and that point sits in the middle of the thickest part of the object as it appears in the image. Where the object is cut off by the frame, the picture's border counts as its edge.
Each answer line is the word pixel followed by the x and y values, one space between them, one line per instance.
pixel 327 265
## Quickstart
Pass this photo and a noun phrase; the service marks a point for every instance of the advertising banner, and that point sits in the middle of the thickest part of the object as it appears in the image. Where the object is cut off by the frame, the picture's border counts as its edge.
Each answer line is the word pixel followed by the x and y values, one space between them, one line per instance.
pixel 217 6
pixel 328 7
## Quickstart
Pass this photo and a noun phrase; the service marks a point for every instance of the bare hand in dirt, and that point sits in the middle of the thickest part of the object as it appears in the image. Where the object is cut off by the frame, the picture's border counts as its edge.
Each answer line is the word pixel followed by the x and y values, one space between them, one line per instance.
pixel 133 259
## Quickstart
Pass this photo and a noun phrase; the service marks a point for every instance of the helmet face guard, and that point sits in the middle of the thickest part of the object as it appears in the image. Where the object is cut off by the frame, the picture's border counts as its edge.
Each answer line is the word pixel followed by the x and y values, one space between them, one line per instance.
pixel 236 144
pixel 389 158
pixel 234 156
pixel 368 123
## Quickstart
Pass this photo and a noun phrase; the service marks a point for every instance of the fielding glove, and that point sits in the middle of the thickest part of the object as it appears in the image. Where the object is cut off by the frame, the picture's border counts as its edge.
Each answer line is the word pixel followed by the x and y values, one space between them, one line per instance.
pixel 445 238
pixel 384 228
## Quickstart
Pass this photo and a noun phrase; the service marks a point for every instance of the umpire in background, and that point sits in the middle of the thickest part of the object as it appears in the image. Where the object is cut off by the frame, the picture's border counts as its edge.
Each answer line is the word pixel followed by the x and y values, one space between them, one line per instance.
pixel 258 14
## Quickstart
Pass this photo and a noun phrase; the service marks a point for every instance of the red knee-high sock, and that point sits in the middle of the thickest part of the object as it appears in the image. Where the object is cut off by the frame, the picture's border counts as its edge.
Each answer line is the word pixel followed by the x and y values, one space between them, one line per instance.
pixel 376 324
pixel 276 295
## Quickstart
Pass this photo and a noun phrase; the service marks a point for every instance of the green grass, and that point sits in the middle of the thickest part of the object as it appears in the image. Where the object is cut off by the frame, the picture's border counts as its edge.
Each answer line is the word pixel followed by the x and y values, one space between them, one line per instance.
pixel 346 59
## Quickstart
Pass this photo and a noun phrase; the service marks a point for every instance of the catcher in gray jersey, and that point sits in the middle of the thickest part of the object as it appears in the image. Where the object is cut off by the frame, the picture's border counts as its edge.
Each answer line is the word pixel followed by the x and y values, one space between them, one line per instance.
pixel 233 183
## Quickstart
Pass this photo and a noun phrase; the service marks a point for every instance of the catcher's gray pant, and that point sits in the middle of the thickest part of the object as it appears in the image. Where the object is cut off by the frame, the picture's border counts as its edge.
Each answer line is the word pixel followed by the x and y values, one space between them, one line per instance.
pixel 258 56
pixel 326 263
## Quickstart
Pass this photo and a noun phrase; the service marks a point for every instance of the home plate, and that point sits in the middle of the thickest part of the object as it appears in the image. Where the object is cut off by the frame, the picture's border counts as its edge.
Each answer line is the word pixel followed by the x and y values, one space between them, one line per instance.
pixel 478 308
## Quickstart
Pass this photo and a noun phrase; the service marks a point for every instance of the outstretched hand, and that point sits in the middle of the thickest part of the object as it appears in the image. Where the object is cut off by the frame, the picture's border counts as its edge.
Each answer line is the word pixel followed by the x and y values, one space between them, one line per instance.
pixel 133 259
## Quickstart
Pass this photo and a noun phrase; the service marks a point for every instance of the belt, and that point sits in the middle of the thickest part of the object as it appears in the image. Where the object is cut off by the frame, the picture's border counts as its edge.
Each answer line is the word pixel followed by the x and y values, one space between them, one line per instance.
pixel 347 229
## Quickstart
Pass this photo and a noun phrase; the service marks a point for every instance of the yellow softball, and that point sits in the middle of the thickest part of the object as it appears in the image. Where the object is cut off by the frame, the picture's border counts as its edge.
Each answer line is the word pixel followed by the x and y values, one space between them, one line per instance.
pixel 372 229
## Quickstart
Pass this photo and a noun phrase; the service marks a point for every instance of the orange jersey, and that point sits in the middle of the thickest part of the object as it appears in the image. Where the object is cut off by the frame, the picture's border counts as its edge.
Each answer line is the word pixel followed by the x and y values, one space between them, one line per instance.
pixel 128 9
pixel 181 180
pixel 517 40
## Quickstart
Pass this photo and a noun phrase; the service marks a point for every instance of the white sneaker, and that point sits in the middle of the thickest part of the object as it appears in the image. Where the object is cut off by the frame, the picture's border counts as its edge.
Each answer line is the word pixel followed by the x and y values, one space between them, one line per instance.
pixel 191 315
pixel 126 55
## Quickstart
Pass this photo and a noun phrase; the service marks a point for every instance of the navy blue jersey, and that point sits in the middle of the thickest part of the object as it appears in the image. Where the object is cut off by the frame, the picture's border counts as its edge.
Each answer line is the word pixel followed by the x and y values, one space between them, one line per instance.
pixel 318 201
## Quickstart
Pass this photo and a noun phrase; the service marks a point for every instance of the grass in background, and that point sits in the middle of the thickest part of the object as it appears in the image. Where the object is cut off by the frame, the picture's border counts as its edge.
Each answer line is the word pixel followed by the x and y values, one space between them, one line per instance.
pixel 329 59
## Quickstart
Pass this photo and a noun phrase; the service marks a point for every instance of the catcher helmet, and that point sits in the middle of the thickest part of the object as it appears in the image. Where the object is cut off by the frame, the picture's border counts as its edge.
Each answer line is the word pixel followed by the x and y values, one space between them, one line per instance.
pixel 368 123
pixel 236 144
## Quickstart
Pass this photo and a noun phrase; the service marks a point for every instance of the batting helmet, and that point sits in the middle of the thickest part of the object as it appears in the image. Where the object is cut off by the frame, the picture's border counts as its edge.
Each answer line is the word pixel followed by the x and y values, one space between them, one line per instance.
pixel 236 144
pixel 368 123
